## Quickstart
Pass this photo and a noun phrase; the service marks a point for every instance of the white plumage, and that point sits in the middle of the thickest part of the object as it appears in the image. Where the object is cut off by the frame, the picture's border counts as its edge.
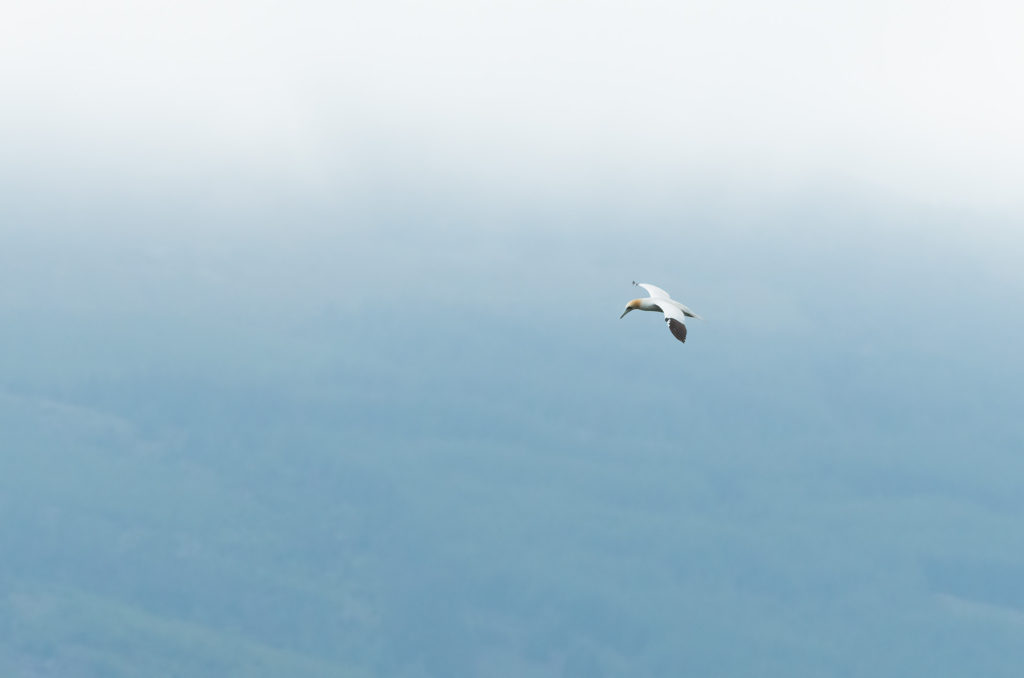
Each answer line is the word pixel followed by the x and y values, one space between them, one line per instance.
pixel 660 300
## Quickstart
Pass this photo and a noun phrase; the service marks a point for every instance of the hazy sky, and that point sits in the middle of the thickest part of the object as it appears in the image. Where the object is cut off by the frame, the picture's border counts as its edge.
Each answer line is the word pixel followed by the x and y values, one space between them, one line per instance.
pixel 912 101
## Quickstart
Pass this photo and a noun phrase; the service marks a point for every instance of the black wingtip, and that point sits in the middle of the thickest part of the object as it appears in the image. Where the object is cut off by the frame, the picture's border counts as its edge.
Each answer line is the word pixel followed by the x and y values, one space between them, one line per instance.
pixel 678 329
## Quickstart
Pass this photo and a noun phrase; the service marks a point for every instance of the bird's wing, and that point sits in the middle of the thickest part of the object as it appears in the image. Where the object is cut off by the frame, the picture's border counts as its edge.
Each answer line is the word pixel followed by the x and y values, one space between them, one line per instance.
pixel 655 292
pixel 687 312
pixel 676 321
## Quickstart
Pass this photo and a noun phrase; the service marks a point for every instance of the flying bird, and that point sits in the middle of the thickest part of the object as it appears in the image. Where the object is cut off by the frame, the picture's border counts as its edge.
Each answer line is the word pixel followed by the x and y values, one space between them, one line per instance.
pixel 675 313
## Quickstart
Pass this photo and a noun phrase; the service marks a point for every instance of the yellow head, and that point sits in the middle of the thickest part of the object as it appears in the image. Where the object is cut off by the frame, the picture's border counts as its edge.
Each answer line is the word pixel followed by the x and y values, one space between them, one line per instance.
pixel 631 306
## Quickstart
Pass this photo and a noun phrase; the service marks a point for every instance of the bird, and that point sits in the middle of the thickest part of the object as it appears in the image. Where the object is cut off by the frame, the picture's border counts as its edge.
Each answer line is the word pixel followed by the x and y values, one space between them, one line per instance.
pixel 675 313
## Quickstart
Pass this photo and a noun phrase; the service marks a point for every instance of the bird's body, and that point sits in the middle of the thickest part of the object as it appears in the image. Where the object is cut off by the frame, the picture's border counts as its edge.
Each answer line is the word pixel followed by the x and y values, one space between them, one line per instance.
pixel 675 313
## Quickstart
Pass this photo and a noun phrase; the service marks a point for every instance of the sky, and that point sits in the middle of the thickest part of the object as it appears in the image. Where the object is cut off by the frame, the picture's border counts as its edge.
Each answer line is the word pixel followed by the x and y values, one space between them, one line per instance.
pixel 311 336
pixel 910 101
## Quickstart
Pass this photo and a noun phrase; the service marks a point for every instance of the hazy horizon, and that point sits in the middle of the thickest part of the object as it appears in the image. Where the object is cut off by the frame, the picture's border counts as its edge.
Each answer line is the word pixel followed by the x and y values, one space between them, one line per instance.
pixel 311 361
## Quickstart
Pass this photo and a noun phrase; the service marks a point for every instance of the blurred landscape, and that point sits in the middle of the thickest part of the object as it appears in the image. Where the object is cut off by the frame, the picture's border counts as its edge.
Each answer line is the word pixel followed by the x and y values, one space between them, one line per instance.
pixel 311 365
pixel 339 453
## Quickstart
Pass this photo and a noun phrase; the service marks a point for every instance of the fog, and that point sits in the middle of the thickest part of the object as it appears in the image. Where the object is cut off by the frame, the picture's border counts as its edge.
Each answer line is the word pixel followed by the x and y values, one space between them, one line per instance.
pixel 312 365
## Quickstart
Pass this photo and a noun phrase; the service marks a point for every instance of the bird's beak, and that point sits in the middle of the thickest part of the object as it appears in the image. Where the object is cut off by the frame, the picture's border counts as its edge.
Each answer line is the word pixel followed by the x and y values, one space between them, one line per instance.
pixel 628 309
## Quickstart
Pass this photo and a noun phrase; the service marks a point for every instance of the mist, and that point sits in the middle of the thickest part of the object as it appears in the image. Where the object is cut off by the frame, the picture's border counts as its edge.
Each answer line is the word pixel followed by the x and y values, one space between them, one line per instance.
pixel 312 365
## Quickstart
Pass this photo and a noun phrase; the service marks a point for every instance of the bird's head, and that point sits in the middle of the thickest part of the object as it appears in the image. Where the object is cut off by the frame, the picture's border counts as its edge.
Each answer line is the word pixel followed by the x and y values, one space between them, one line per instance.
pixel 631 306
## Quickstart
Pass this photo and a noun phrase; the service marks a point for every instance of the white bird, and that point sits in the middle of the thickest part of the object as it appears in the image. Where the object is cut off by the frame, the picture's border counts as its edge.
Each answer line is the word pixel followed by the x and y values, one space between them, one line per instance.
pixel 675 313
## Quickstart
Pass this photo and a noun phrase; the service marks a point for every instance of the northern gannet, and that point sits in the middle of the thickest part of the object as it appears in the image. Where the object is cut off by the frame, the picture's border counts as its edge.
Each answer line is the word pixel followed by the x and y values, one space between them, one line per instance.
pixel 675 313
